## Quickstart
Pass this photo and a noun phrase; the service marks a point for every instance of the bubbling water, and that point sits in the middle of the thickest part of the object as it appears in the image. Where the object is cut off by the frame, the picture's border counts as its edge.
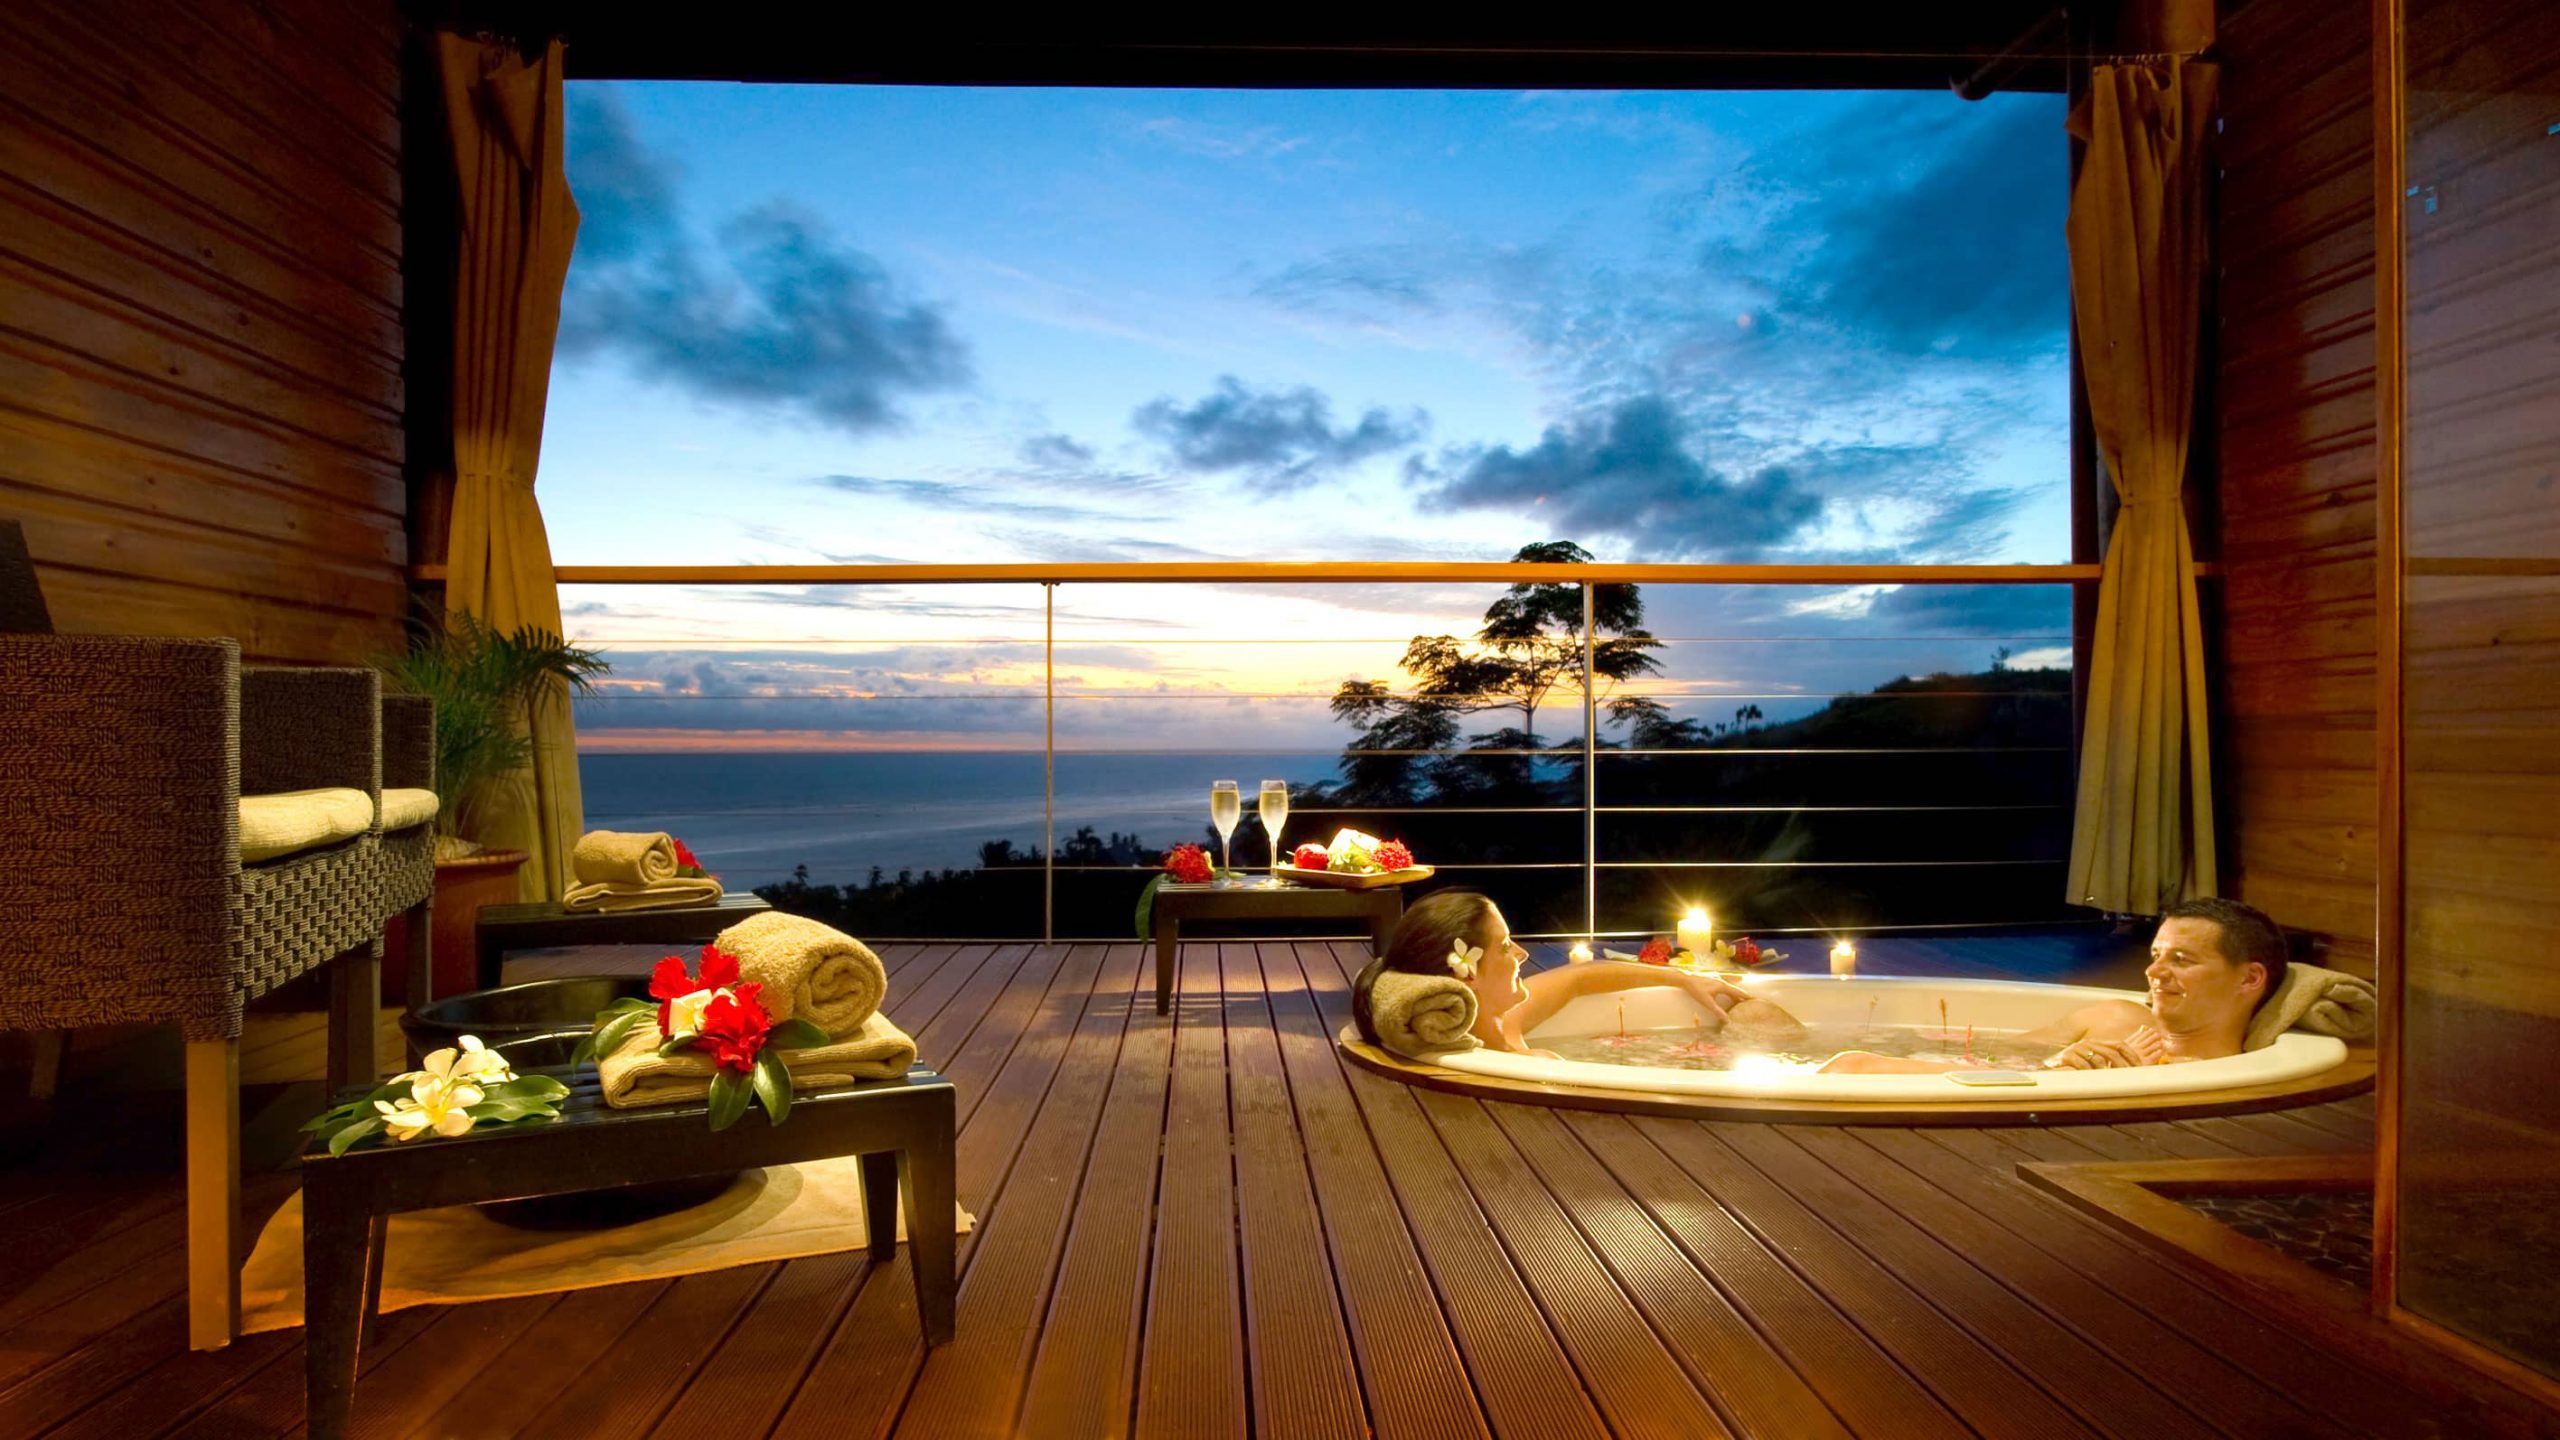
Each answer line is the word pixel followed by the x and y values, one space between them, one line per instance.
pixel 1704 1049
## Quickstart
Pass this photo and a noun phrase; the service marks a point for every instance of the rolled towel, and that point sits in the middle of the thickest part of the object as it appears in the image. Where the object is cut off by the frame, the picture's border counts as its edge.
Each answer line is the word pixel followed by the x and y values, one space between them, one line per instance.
pixel 2324 1002
pixel 617 896
pixel 808 970
pixel 1417 1016
pixel 620 857
pixel 635 1074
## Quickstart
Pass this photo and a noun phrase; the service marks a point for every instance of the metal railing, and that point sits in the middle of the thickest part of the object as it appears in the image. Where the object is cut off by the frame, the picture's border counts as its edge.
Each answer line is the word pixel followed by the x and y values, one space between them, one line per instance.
pixel 1591 750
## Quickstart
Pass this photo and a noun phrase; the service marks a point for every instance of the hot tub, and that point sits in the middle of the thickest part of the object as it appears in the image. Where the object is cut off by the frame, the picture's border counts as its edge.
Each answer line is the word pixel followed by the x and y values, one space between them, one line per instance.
pixel 1895 1015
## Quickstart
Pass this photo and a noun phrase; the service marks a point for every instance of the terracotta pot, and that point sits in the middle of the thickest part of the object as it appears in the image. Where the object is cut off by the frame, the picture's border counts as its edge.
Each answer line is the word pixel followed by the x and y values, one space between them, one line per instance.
pixel 462 887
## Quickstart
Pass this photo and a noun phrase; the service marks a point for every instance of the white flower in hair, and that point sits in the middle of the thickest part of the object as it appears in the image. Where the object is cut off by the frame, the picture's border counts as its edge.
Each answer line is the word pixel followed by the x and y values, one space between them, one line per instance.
pixel 1463 958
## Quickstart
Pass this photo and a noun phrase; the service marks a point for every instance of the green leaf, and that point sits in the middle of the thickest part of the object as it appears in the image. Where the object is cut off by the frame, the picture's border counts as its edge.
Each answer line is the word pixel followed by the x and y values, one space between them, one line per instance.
pixel 773 1086
pixel 532 1087
pixel 511 1108
pixel 729 1091
pixel 1147 909
pixel 339 1142
pixel 796 1034
pixel 610 1036
pixel 674 1043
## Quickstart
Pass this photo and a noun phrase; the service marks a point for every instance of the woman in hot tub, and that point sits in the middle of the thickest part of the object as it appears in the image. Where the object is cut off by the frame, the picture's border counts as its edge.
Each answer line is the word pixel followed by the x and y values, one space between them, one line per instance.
pixel 1462 935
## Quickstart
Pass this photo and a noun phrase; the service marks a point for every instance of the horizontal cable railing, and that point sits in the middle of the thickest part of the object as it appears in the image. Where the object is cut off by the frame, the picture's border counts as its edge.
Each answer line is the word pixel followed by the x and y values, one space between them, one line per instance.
pixel 2026 810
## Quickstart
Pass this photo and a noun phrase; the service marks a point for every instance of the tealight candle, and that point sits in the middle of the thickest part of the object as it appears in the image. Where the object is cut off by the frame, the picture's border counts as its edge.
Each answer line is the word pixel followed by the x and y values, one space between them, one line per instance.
pixel 1580 954
pixel 1844 959
pixel 1697 934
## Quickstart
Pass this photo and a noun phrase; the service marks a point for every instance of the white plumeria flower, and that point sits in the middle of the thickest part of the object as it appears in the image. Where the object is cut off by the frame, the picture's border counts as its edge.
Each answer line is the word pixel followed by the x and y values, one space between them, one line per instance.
pixel 472 1062
pixel 684 1013
pixel 1463 959
pixel 442 1106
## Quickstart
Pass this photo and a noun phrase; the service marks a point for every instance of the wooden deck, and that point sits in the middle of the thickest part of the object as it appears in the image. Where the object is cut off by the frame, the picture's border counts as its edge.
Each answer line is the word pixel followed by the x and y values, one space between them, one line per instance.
pixel 1204 1224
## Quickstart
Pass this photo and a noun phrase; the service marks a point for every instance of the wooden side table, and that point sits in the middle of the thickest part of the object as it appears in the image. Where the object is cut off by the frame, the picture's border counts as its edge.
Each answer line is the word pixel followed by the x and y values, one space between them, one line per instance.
pixel 901 1128
pixel 1265 900
pixel 503 928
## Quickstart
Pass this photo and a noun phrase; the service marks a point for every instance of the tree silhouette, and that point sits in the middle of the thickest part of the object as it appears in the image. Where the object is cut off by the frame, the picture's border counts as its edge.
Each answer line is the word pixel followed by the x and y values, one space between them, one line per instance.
pixel 1529 647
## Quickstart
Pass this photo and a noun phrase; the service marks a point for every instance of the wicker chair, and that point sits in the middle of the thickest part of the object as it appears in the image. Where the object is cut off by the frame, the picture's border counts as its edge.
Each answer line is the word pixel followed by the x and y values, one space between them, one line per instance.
pixel 123 760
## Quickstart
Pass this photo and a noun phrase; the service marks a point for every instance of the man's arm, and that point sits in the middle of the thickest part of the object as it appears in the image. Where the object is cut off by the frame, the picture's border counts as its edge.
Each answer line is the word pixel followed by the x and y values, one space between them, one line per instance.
pixel 2105 1020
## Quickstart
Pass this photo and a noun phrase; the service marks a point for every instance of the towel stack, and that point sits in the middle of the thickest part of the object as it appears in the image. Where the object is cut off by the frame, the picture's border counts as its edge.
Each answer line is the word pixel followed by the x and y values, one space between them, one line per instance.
pixel 809 972
pixel 633 870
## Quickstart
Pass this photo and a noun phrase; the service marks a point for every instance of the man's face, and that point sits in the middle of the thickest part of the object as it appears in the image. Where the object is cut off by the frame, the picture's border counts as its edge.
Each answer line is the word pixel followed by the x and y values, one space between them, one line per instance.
pixel 2193 984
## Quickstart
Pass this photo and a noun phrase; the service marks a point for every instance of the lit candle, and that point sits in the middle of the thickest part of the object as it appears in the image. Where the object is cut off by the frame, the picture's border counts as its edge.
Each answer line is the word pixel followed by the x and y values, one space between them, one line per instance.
pixel 1844 959
pixel 1698 934
pixel 1580 954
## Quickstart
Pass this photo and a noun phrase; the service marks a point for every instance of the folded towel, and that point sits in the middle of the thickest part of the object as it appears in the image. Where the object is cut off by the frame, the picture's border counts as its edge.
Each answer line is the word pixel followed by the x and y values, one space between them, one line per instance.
pixel 636 1074
pixel 821 975
pixel 1417 1015
pixel 642 897
pixel 617 857
pixel 2324 1002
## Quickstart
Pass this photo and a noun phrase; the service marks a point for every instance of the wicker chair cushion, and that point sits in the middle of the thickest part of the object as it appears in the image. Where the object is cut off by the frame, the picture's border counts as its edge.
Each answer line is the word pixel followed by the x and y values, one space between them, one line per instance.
pixel 294 820
pixel 404 808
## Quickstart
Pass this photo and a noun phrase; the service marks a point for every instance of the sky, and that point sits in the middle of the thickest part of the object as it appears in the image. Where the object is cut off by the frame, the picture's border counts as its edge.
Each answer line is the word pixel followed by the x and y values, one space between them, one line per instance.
pixel 844 324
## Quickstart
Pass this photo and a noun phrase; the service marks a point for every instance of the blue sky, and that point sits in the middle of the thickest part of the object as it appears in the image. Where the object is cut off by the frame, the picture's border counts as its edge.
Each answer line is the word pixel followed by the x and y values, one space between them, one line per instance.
pixel 812 324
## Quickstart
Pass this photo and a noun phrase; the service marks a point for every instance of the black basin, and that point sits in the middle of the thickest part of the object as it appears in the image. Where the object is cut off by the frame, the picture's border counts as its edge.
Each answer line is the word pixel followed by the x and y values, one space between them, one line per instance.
pixel 537 1026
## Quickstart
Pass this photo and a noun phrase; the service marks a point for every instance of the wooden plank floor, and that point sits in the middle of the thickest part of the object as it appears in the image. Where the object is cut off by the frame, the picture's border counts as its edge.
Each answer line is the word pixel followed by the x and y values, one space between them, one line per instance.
pixel 1204 1224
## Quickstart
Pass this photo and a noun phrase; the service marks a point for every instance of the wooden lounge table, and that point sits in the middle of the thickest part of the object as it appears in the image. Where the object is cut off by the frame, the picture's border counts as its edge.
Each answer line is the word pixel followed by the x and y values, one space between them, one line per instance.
pixel 1264 900
pixel 502 928
pixel 901 1128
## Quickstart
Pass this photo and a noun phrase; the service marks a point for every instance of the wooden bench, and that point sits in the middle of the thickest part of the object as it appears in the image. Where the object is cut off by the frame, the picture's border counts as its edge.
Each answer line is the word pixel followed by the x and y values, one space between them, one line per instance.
pixel 901 1128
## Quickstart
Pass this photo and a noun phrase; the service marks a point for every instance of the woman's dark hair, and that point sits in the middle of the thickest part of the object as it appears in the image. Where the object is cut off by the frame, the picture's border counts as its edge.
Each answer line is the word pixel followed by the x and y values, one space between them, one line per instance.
pixel 2248 934
pixel 1420 944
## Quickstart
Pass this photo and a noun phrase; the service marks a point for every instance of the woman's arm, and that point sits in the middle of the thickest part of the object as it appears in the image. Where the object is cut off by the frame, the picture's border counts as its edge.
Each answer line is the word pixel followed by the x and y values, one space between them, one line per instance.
pixel 1550 989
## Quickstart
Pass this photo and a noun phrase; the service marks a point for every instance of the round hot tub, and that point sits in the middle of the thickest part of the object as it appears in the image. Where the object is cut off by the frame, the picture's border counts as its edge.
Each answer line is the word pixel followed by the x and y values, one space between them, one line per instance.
pixel 1647 1050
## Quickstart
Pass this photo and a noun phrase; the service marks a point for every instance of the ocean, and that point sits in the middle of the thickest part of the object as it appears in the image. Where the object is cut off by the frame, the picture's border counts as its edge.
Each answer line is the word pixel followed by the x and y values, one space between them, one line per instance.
pixel 753 817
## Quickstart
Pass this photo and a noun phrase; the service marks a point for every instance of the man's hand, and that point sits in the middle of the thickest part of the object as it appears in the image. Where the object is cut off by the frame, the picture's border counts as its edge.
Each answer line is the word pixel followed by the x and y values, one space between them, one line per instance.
pixel 2144 1046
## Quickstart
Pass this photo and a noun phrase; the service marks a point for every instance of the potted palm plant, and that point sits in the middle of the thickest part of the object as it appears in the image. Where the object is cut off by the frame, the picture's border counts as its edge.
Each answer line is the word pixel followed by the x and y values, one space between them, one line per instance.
pixel 486 686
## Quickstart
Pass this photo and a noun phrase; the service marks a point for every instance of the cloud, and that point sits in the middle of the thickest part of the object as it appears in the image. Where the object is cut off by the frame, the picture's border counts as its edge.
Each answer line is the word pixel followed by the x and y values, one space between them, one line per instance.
pixel 1629 472
pixel 1965 256
pixel 962 500
pixel 1055 451
pixel 2009 612
pixel 1288 431
pixel 1219 142
pixel 779 313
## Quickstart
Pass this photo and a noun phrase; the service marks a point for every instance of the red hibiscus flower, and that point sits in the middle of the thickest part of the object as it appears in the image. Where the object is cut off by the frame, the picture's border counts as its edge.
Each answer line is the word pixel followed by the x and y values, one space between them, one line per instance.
pixel 1188 864
pixel 685 860
pixel 669 982
pixel 719 969
pixel 734 1028
pixel 1745 952
pixel 1394 856
pixel 1656 951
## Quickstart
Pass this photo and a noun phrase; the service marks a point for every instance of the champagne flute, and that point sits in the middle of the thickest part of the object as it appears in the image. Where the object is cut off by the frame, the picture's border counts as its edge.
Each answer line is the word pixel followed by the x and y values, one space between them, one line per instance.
pixel 1226 807
pixel 1273 813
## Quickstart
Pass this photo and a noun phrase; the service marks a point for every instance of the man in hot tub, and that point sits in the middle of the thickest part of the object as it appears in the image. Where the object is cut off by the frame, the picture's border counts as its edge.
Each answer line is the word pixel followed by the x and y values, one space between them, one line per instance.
pixel 2212 961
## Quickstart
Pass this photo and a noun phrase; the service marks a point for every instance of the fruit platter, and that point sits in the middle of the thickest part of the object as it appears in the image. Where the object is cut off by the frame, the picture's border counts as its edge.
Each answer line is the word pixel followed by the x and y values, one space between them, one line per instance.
pixel 1353 861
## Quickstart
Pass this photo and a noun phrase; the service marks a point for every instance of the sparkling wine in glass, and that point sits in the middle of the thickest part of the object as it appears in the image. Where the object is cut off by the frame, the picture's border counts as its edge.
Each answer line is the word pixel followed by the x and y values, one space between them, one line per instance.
pixel 1275 813
pixel 1226 807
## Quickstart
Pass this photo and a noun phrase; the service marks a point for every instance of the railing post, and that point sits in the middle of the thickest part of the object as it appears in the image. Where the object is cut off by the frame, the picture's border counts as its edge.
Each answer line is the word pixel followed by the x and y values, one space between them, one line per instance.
pixel 1049 765
pixel 1590 774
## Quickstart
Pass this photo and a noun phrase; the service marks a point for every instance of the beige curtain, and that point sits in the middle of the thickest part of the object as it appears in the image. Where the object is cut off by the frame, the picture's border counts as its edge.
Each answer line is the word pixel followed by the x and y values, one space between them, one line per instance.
pixel 517 224
pixel 2142 837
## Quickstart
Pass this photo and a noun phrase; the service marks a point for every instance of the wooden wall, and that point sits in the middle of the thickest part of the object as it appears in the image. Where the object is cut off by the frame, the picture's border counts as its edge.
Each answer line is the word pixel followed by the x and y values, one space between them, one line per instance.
pixel 2295 460
pixel 200 317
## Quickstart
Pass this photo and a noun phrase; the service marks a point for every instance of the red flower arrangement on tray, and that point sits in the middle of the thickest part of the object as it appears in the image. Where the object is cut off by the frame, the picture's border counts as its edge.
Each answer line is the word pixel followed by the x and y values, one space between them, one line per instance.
pixel 711 1011
pixel 1188 865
